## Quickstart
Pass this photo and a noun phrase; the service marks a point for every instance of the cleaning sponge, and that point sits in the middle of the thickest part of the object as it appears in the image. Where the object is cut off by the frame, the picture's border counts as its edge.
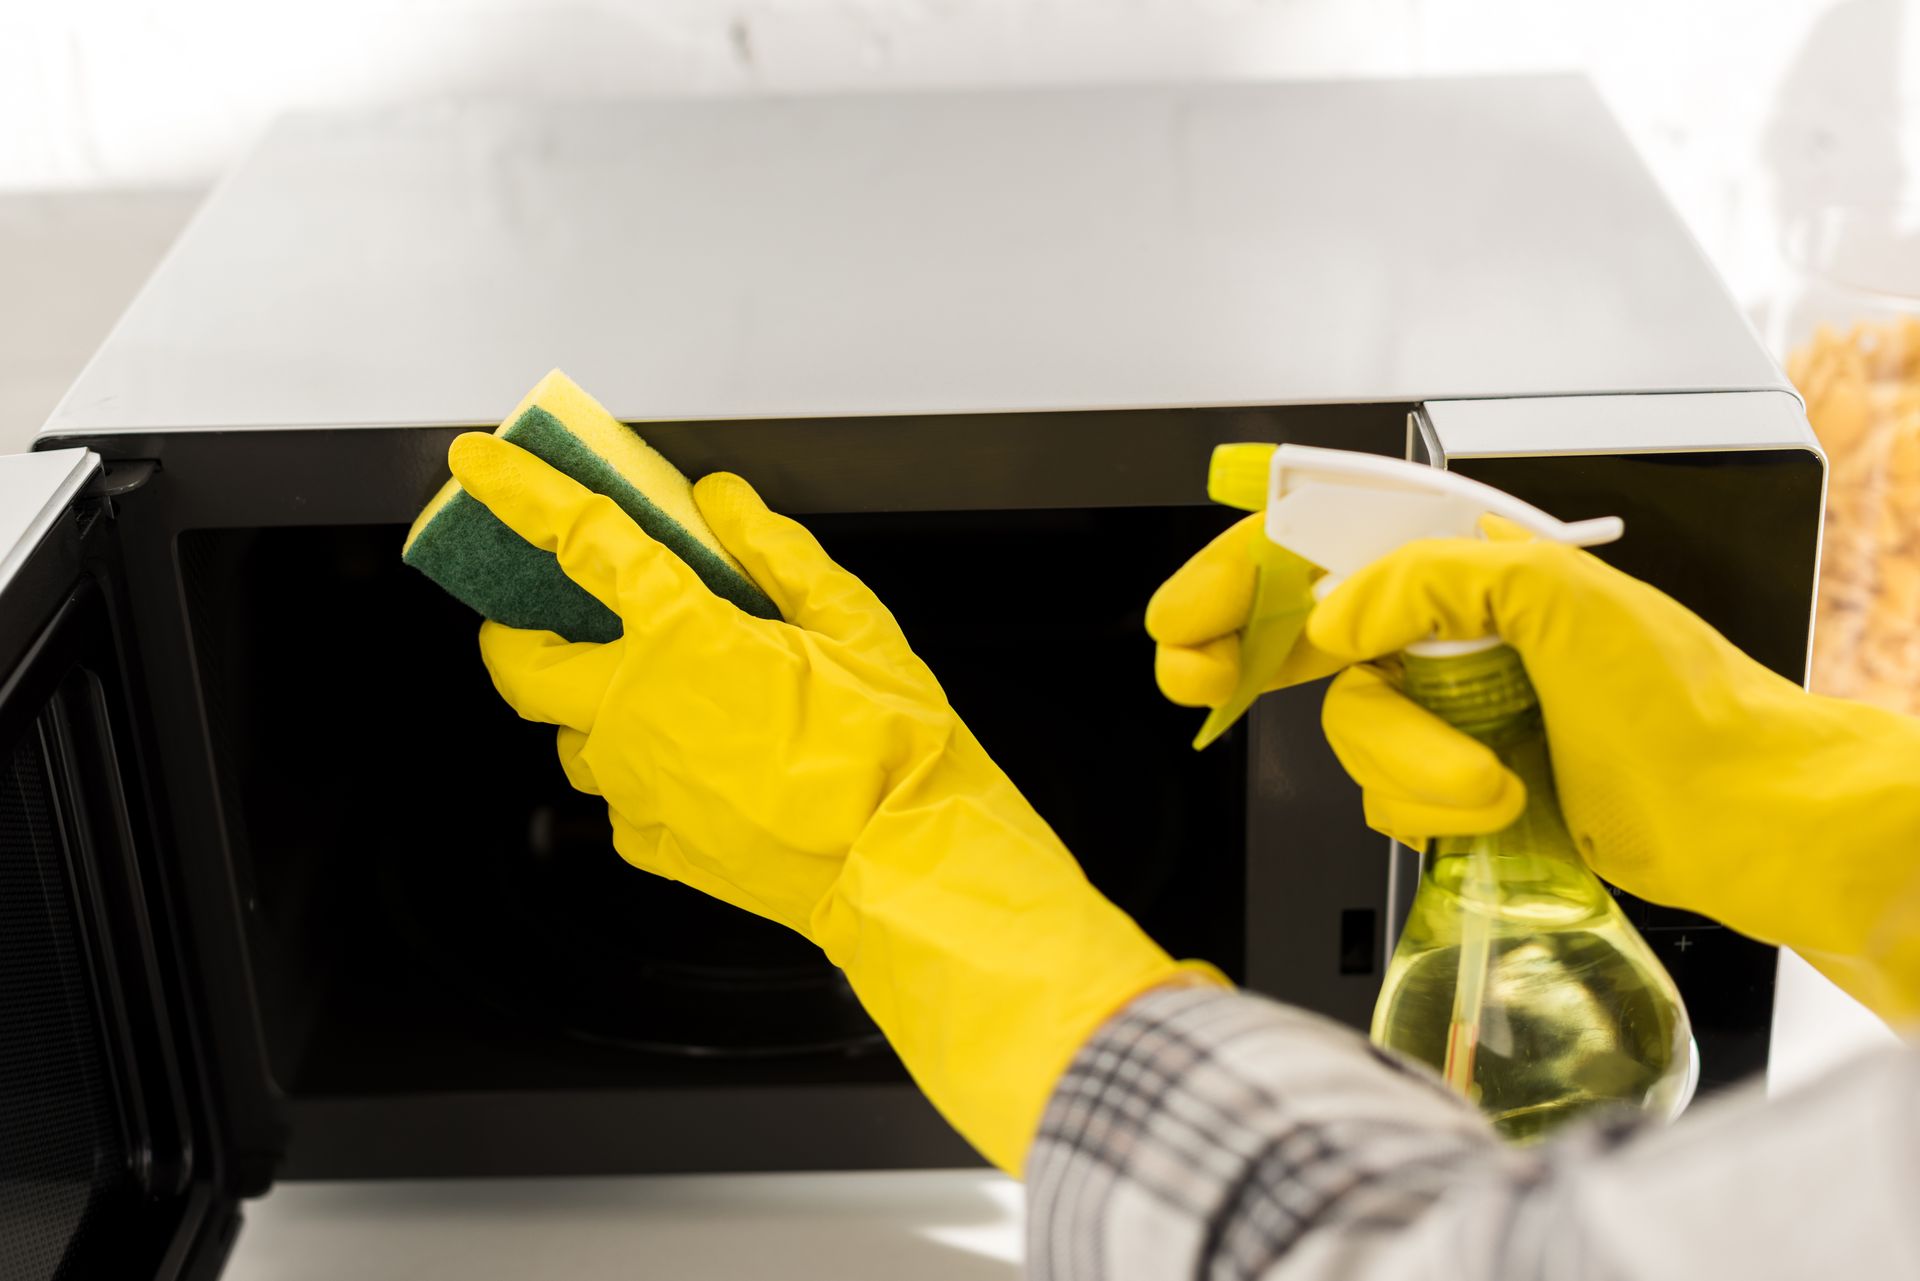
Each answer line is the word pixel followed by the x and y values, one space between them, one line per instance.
pixel 462 546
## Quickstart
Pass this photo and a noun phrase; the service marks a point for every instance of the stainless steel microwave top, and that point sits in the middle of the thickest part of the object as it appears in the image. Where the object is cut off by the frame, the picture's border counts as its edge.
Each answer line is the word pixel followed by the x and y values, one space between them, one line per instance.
pixel 1250 244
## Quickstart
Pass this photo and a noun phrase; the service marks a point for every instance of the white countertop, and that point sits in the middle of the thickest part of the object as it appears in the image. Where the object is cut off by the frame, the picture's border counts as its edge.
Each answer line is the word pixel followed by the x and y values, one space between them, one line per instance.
pixel 930 1225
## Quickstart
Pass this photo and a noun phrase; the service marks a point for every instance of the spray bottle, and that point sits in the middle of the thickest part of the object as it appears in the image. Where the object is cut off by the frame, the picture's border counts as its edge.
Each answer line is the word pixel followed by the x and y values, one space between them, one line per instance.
pixel 1516 975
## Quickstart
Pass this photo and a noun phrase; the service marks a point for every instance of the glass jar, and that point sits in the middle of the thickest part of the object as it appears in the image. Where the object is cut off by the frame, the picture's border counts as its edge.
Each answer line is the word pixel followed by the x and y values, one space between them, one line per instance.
pixel 1847 329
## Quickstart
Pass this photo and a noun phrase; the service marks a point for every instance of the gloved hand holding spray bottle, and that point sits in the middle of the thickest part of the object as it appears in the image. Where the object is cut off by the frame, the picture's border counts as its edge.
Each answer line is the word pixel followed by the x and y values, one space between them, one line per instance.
pixel 1516 974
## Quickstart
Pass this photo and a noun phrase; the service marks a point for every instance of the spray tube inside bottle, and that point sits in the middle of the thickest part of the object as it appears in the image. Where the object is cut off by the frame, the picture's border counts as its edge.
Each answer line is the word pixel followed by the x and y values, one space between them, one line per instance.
pixel 1516 977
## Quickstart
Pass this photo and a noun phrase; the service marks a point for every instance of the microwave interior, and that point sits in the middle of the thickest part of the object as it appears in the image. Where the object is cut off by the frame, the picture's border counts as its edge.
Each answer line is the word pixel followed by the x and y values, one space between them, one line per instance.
pixel 429 907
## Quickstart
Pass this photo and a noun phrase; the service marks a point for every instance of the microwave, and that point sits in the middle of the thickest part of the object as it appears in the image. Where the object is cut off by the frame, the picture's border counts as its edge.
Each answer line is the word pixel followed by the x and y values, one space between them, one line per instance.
pixel 286 892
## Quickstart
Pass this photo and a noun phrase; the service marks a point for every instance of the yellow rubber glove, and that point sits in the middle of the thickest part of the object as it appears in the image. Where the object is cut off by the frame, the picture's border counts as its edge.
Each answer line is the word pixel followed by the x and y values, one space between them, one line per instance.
pixel 1196 617
pixel 812 771
pixel 1689 774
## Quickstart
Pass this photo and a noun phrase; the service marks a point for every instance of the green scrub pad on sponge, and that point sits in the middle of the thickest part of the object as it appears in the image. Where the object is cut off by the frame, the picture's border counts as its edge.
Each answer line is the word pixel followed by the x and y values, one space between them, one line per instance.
pixel 462 546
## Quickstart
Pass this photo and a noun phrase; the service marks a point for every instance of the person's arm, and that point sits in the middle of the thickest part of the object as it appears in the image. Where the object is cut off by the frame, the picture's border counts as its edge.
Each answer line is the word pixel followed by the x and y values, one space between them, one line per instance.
pixel 810 770
pixel 1218 1135
pixel 1689 774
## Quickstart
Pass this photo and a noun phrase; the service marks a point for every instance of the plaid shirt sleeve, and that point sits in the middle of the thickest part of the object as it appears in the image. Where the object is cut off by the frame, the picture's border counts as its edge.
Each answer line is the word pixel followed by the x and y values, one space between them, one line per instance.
pixel 1220 1135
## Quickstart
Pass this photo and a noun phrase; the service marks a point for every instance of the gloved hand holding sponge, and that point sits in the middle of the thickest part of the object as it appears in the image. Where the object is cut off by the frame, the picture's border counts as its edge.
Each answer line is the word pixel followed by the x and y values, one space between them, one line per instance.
pixel 1689 774
pixel 805 767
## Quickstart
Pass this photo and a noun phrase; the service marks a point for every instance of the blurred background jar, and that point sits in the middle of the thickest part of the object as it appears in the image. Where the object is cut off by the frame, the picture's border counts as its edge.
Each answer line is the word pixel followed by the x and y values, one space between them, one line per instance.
pixel 1847 327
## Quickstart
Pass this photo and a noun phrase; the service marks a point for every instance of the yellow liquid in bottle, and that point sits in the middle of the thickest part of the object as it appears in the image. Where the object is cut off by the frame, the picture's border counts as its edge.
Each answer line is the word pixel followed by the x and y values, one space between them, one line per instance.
pixel 1576 1015
pixel 1516 975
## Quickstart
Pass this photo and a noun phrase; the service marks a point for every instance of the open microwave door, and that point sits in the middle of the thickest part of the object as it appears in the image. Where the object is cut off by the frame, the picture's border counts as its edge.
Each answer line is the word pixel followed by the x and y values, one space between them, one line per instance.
pixel 108 1166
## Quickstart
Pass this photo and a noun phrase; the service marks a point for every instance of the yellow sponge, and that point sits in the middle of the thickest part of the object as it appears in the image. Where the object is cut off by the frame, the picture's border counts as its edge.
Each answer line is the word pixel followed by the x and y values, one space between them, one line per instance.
pixel 463 547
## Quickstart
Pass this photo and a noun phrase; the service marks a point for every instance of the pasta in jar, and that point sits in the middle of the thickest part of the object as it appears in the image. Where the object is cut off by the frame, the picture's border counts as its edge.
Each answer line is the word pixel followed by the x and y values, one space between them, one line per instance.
pixel 1862 389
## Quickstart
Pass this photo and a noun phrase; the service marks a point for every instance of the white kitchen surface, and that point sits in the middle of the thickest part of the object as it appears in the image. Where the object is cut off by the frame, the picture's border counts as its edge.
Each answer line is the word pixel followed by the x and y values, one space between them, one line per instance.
pixel 940 1225
pixel 1816 1026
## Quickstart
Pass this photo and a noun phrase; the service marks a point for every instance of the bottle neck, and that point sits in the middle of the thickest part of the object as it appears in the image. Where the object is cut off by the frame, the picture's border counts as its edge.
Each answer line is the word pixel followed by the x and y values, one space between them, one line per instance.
pixel 1487 696
pixel 1484 694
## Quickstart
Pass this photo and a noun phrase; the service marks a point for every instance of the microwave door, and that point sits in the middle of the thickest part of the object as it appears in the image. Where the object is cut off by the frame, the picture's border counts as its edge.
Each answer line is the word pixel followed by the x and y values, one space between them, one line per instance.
pixel 107 1163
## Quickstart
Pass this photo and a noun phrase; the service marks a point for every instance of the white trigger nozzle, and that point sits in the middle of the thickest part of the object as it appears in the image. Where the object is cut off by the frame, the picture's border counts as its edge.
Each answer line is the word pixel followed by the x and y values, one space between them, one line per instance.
pixel 1343 510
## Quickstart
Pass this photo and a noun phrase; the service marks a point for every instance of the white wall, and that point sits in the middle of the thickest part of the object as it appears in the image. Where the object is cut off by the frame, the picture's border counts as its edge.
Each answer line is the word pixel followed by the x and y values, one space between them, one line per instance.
pixel 1743 108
